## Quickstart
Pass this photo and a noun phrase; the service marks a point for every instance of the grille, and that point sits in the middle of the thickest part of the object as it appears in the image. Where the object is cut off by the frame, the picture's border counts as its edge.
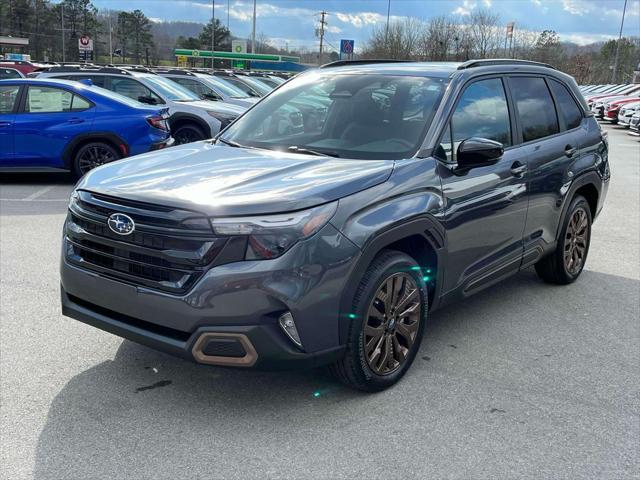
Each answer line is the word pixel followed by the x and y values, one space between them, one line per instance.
pixel 169 250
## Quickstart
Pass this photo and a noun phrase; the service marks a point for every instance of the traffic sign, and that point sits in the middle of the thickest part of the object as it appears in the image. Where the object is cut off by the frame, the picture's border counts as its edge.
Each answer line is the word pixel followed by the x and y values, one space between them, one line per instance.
pixel 85 43
pixel 346 47
pixel 239 46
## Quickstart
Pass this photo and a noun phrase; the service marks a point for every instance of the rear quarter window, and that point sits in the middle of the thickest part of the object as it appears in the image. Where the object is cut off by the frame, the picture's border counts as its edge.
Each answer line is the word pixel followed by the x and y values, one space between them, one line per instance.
pixel 568 109
pixel 535 107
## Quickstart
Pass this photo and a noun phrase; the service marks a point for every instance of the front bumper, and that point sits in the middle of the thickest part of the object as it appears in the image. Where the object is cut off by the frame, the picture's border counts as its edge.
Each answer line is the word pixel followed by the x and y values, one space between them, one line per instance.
pixel 268 349
pixel 242 300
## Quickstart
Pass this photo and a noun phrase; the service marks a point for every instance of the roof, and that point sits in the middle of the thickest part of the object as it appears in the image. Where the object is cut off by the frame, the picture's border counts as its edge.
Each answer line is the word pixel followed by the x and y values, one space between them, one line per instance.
pixel 47 81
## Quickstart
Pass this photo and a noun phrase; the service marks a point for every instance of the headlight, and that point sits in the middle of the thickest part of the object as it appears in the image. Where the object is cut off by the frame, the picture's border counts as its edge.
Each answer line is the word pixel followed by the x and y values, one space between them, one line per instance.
pixel 73 199
pixel 269 236
pixel 224 118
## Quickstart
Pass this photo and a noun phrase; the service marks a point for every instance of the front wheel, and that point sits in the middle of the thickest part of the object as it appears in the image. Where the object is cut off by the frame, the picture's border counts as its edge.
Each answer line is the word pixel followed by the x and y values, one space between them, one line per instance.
pixel 188 133
pixel 566 263
pixel 92 155
pixel 388 317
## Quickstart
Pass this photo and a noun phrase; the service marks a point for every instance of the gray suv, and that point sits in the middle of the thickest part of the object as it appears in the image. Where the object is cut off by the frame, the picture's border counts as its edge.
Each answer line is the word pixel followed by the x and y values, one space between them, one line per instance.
pixel 422 184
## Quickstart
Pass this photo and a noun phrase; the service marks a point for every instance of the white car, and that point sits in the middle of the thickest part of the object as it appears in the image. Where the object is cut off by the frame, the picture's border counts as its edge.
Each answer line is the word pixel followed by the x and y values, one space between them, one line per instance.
pixel 626 112
pixel 212 88
pixel 190 118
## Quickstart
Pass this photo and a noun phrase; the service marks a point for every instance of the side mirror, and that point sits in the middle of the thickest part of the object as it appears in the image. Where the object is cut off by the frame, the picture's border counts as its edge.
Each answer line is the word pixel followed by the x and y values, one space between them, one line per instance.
pixel 476 152
pixel 148 99
pixel 211 96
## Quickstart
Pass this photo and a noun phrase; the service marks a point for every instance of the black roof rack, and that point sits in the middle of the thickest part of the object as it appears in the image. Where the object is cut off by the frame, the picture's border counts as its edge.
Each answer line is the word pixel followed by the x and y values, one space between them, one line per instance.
pixel 136 68
pixel 89 68
pixel 174 71
pixel 501 61
pixel 340 63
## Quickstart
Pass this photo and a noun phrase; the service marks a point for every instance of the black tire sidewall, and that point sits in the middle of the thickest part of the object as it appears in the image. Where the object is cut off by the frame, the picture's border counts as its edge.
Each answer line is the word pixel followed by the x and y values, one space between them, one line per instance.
pixel 76 159
pixel 386 264
pixel 193 128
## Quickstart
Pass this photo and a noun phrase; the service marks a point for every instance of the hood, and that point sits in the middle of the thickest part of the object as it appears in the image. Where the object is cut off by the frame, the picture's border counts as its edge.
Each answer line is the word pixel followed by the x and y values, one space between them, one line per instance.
pixel 221 180
pixel 218 107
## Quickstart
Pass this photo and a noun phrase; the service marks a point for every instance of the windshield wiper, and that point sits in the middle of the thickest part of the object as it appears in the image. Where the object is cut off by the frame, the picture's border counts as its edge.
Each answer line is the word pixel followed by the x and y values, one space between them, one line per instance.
pixel 296 149
pixel 231 143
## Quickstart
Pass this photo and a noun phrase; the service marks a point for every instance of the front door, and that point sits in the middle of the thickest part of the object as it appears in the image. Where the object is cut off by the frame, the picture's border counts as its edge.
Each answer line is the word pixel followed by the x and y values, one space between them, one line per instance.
pixel 485 207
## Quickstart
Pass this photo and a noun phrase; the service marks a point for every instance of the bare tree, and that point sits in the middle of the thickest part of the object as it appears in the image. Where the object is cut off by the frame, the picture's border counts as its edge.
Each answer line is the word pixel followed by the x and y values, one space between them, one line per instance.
pixel 400 41
pixel 439 39
pixel 484 32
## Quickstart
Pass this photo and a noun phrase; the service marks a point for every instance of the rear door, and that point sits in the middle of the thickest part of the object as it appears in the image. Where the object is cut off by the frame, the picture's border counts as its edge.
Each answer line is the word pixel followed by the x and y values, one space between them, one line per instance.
pixel 552 144
pixel 9 95
pixel 47 120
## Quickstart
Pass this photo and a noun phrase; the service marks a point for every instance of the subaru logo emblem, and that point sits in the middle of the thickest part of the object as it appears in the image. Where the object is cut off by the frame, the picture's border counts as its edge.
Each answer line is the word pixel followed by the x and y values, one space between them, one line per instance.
pixel 121 224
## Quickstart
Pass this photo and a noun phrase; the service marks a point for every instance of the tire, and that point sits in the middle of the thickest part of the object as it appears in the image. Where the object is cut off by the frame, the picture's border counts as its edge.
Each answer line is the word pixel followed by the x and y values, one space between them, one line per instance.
pixel 575 239
pixel 188 133
pixel 92 155
pixel 363 367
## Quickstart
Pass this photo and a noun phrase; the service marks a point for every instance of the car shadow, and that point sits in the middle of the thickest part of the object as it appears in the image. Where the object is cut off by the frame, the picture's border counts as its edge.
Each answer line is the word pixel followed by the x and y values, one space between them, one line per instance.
pixel 145 414
pixel 50 178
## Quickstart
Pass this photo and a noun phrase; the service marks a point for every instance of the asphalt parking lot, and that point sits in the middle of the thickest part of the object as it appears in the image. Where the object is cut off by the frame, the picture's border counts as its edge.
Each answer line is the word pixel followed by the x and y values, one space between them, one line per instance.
pixel 525 380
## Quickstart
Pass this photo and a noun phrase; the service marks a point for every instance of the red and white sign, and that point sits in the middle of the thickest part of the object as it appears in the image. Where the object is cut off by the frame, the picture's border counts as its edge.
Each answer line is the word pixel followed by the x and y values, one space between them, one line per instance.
pixel 85 42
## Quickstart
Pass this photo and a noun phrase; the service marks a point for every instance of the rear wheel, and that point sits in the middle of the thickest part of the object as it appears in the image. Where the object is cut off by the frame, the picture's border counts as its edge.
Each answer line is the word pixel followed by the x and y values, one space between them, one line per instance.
pixel 565 264
pixel 389 314
pixel 92 155
pixel 188 133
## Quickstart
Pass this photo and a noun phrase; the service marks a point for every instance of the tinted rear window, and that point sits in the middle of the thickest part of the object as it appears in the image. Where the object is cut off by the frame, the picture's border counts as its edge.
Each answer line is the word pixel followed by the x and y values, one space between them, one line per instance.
pixel 535 107
pixel 568 109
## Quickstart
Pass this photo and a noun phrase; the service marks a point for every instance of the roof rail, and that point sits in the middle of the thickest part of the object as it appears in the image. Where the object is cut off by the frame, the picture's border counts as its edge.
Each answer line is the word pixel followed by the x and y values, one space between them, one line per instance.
pixel 340 63
pixel 137 68
pixel 173 71
pixel 89 68
pixel 501 61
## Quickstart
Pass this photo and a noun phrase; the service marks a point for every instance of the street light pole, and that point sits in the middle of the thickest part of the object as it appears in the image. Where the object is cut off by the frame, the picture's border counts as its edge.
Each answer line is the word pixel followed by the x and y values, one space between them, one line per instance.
pixel 615 62
pixel 110 40
pixel 213 29
pixel 253 34
pixel 386 31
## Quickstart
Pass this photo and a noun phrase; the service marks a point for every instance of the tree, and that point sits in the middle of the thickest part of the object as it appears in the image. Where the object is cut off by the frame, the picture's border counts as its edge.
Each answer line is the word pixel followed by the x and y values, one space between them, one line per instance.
pixel 548 48
pixel 222 37
pixel 484 32
pixel 80 18
pixel 438 39
pixel 141 38
pixel 399 41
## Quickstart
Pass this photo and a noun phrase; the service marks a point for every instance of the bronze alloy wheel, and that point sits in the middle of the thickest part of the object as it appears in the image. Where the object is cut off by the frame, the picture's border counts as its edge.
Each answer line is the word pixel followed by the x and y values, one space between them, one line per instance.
pixel 392 323
pixel 575 241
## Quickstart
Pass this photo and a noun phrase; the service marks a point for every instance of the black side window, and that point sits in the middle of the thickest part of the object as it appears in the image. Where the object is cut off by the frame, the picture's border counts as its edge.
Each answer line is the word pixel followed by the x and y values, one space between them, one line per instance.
pixel 535 107
pixel 567 106
pixel 481 112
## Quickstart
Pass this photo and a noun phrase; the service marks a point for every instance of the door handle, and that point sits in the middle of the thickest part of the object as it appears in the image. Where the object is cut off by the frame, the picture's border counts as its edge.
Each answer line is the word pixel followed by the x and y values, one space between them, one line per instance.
pixel 5 124
pixel 518 169
pixel 75 120
pixel 570 151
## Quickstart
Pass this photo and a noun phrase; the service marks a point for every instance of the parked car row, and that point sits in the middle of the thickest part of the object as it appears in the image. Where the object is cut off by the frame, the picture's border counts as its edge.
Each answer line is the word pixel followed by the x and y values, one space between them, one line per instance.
pixel 76 117
pixel 618 104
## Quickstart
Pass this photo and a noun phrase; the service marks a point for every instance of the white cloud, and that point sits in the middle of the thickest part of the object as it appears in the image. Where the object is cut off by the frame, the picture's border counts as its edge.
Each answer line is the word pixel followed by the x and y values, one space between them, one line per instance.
pixel 576 7
pixel 584 38
pixel 487 3
pixel 465 8
pixel 360 19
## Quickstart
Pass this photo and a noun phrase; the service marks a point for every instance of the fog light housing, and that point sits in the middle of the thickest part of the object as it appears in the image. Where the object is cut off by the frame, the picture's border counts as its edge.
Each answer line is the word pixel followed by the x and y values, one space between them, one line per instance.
pixel 289 327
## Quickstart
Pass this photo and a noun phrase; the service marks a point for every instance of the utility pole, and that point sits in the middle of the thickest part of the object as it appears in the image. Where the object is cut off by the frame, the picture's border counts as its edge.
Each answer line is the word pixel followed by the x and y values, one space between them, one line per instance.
pixel 110 39
pixel 253 34
pixel 323 22
pixel 615 62
pixel 228 7
pixel 386 30
pixel 213 29
pixel 62 25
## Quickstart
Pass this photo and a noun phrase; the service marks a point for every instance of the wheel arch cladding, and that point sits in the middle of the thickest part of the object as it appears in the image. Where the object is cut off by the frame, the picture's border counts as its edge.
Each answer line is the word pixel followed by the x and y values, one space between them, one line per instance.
pixel 104 137
pixel 420 238
pixel 177 120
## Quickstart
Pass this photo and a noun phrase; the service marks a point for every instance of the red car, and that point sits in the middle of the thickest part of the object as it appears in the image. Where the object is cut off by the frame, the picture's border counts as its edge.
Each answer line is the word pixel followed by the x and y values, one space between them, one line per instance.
pixel 612 108
pixel 22 66
pixel 628 90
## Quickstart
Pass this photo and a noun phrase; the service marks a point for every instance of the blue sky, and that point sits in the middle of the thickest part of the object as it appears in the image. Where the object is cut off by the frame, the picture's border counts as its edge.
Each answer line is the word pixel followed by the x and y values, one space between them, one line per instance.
pixel 292 22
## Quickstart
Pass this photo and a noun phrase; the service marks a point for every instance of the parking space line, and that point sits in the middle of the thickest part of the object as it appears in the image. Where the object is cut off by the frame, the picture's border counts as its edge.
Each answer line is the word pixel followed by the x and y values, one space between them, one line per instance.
pixel 39 193
pixel 33 200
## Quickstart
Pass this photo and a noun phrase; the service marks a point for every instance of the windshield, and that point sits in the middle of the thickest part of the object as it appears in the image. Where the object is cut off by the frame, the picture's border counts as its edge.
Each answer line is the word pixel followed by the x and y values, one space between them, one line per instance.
pixel 225 87
pixel 261 87
pixel 354 116
pixel 169 89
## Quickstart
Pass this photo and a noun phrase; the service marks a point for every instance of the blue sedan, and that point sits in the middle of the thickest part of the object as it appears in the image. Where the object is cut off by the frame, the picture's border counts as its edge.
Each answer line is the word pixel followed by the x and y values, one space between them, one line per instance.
pixel 66 125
